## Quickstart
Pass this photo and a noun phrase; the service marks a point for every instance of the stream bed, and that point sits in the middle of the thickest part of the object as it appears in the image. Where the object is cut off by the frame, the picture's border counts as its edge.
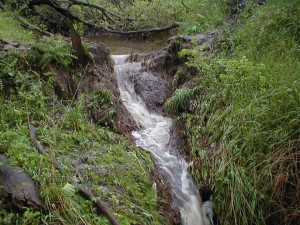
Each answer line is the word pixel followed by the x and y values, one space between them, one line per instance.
pixel 120 47
pixel 154 136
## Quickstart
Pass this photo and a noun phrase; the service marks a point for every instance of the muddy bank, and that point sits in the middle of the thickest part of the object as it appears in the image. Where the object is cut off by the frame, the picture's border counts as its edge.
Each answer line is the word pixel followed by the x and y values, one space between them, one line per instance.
pixel 99 75
pixel 119 46
pixel 172 73
pixel 154 84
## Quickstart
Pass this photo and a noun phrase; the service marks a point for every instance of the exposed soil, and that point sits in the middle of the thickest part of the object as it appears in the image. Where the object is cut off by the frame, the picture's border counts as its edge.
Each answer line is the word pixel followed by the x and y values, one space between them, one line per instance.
pixel 154 88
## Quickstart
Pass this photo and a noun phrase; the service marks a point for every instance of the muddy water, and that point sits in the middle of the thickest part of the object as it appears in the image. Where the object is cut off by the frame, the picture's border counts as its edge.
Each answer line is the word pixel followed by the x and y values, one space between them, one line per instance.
pixel 122 47
pixel 154 136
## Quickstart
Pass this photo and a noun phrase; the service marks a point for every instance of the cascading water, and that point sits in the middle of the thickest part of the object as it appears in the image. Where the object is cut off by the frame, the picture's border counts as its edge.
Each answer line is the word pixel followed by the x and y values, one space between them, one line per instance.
pixel 154 136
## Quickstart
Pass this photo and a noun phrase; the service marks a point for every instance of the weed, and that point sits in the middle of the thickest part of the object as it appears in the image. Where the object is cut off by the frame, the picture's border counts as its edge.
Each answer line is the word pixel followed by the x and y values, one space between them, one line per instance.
pixel 51 51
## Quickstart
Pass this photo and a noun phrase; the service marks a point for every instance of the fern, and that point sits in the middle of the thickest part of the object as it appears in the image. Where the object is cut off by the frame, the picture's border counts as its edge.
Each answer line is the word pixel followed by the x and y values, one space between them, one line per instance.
pixel 52 51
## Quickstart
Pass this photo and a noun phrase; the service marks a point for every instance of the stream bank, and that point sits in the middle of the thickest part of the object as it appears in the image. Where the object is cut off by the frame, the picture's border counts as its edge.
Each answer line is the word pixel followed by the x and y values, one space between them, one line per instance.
pixel 79 120
pixel 97 79
pixel 150 83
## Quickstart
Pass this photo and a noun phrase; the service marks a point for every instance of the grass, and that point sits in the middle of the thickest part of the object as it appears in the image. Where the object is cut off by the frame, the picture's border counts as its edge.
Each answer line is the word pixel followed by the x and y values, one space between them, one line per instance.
pixel 116 171
pixel 248 120
pixel 11 30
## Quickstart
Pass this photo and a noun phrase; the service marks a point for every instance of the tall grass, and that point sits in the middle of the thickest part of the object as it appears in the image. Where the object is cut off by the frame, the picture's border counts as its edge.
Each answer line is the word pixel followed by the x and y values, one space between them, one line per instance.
pixel 248 120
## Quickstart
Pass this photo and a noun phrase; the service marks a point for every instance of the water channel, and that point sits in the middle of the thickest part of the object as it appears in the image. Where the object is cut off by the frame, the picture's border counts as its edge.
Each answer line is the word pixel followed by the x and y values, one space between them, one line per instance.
pixel 154 136
pixel 122 47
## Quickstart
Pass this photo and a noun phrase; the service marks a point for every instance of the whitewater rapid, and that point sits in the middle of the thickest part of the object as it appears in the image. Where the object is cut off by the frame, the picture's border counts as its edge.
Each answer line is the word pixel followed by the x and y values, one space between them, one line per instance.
pixel 154 136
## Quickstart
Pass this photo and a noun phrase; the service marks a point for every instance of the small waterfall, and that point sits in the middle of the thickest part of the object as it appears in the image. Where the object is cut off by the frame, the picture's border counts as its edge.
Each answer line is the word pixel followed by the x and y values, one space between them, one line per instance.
pixel 154 136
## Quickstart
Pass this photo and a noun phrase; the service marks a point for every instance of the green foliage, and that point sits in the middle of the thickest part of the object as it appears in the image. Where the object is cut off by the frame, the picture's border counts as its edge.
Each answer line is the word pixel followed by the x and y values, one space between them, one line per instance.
pixel 51 51
pixel 198 15
pixel 248 119
pixel 16 5
pixel 202 15
pixel 11 30
pixel 115 170
pixel 100 108
pixel 147 14
pixel 180 100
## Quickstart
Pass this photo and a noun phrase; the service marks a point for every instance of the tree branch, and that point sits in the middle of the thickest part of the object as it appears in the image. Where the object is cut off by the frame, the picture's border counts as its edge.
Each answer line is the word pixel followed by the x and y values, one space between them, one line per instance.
pixel 35 142
pixel 30 26
pixel 92 5
pixel 102 208
pixel 185 6
pixel 72 16
pixel 150 30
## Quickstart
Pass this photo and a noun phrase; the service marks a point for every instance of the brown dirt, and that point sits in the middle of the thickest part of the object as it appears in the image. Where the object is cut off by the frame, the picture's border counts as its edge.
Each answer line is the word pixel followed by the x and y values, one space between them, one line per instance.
pixel 100 75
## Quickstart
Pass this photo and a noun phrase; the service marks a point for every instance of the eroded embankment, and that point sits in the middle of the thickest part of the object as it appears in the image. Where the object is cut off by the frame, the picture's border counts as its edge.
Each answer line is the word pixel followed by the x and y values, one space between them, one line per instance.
pixel 149 83
pixel 78 116
pixel 74 98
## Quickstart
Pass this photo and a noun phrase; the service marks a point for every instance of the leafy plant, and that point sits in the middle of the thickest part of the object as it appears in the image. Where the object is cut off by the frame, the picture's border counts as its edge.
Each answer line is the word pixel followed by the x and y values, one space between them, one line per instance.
pixel 51 50
pixel 114 169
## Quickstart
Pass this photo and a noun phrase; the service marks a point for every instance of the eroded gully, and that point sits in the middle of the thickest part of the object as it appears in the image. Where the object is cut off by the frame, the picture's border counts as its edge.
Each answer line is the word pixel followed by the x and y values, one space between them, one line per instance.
pixel 154 136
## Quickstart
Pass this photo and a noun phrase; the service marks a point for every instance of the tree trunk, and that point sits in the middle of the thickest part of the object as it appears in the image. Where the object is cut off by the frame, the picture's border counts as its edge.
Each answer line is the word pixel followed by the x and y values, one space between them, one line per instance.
pixel 82 57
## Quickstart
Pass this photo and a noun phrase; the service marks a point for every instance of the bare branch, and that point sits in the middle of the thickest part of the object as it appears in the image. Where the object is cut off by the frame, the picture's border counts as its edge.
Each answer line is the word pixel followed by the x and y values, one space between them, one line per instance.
pixel 185 6
pixel 104 10
pixel 150 30
pixel 102 208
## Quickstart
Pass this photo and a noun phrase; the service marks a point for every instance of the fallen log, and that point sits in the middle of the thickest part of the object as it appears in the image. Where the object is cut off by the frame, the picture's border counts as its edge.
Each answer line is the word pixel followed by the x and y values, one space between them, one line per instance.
pixel 35 142
pixel 101 207
pixel 151 30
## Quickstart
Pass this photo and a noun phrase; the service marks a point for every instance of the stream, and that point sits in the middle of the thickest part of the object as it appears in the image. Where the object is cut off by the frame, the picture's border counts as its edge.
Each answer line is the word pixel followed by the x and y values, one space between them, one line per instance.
pixel 120 47
pixel 154 136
